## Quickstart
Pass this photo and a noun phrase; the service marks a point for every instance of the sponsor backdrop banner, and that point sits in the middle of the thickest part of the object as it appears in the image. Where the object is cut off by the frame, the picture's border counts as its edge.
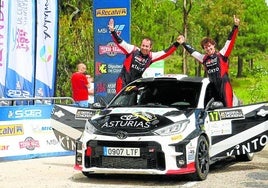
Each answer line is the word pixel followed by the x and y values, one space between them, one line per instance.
pixel 26 132
pixel 155 69
pixel 46 47
pixel 28 48
pixel 3 43
pixel 21 48
pixel 108 57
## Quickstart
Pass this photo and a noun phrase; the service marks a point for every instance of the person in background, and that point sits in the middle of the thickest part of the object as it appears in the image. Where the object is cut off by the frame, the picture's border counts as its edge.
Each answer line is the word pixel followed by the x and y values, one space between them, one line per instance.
pixel 216 63
pixel 90 89
pixel 80 84
pixel 137 59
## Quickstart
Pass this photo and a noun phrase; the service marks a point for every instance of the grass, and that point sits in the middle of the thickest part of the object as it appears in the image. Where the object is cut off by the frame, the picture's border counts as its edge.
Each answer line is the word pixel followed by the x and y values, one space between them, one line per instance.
pixel 251 90
pixel 253 87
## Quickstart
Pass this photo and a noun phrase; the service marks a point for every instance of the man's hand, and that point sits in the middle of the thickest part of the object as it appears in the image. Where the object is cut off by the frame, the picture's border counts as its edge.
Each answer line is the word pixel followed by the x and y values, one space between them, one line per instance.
pixel 236 21
pixel 111 24
pixel 180 39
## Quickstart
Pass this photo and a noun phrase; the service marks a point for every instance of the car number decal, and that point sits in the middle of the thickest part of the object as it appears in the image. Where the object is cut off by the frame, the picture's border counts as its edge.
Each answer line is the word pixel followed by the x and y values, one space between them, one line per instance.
pixel 214 116
pixel 227 114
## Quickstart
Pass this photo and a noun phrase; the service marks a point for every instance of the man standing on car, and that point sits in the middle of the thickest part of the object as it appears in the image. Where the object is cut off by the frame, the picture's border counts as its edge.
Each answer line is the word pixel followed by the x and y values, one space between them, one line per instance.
pixel 137 59
pixel 216 62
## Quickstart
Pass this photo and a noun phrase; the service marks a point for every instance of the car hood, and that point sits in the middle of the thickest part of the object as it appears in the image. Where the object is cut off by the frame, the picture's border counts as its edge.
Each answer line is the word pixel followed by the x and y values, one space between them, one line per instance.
pixel 136 120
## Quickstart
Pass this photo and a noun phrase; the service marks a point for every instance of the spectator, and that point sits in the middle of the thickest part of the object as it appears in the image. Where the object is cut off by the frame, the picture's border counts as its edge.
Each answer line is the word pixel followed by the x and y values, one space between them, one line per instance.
pixel 90 89
pixel 80 86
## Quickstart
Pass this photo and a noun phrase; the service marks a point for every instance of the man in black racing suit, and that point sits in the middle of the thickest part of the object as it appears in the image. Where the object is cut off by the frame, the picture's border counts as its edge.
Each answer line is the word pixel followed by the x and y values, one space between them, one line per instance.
pixel 137 59
pixel 216 63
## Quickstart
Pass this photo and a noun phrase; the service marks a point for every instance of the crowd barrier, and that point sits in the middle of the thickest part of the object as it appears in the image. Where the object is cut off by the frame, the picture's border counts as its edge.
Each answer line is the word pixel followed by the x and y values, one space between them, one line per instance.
pixel 25 128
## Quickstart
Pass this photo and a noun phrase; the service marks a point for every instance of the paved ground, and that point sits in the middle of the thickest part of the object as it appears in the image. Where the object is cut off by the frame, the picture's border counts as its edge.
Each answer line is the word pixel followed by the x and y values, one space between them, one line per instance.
pixel 58 172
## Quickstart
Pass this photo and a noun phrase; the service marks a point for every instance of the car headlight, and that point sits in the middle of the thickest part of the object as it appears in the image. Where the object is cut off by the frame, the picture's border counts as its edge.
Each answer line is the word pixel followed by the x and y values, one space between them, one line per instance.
pixel 89 128
pixel 175 128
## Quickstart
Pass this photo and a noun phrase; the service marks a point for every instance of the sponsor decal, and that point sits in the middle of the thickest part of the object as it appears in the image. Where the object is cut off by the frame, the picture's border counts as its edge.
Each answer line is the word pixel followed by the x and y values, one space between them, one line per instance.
pixel 59 114
pixel 22 39
pixel 128 117
pixel 135 124
pixel 222 128
pixel 228 114
pixel 111 49
pixel 11 130
pixel 191 154
pixel 41 129
pixel 159 111
pixel 102 30
pixel 119 29
pixel 176 137
pixel 231 114
pixel 25 113
pixel 111 88
pixel 4 147
pixel 66 142
pixel 114 68
pixel 29 143
pixel 127 121
pixel 52 142
pixel 146 116
pixel 262 112
pixel 102 68
pixel 130 88
pixel 18 92
pixel 84 114
pixel 250 146
pixel 111 12
pixel 46 54
pixel 133 120
pixel 101 87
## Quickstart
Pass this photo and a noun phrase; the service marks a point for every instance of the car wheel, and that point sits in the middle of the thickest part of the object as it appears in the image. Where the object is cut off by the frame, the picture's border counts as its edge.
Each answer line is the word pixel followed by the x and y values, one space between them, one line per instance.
pixel 91 175
pixel 201 160
pixel 86 174
pixel 245 157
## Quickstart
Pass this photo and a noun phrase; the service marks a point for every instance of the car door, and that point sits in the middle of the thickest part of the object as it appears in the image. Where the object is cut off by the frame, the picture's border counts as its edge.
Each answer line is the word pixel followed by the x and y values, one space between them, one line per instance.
pixel 238 130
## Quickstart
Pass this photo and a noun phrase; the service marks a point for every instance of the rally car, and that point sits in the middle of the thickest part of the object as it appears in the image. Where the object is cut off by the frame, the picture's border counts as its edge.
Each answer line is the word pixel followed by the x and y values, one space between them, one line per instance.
pixel 169 125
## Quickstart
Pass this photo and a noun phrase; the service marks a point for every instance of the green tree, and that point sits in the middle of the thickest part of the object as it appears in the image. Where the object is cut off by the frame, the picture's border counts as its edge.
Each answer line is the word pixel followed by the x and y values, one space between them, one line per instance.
pixel 75 41
pixel 253 37
pixel 162 20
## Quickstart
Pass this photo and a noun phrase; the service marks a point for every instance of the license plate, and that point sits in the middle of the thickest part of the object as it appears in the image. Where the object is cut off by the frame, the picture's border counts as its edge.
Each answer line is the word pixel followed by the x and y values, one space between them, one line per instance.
pixel 123 152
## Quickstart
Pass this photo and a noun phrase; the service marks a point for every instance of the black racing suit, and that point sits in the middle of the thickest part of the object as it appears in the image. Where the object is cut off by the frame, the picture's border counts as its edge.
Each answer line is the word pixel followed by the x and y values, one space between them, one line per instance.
pixel 135 63
pixel 217 67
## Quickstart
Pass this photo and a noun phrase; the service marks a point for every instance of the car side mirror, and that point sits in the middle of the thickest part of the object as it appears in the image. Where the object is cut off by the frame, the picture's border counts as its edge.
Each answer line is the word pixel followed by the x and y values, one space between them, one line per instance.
pixel 216 105
pixel 97 105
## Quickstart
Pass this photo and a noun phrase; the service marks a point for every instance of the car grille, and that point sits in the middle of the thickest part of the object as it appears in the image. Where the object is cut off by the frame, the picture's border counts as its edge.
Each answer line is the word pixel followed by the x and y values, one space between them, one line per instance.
pixel 151 156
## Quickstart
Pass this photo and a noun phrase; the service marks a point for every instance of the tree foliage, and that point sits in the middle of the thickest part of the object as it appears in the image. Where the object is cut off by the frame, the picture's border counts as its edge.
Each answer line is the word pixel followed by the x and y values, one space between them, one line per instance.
pixel 162 20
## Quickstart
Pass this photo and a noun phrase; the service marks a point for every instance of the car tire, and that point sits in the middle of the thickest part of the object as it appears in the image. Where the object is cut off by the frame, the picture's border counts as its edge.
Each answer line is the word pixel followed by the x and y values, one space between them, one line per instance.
pixel 245 157
pixel 91 175
pixel 201 160
pixel 86 174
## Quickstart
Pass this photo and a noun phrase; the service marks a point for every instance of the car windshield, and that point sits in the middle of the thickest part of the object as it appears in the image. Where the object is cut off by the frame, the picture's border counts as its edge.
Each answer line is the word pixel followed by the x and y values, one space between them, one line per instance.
pixel 168 93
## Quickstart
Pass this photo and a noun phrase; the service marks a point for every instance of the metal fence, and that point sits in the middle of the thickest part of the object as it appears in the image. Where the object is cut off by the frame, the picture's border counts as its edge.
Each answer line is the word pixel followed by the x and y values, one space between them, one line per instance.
pixel 35 101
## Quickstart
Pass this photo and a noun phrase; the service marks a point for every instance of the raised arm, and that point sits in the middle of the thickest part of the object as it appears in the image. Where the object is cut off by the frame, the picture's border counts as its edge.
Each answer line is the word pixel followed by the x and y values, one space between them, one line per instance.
pixel 229 44
pixel 123 45
pixel 156 56
pixel 198 56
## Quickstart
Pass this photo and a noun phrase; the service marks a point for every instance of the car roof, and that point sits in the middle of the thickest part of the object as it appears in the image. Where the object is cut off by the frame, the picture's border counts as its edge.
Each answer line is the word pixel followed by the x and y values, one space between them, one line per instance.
pixel 181 77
